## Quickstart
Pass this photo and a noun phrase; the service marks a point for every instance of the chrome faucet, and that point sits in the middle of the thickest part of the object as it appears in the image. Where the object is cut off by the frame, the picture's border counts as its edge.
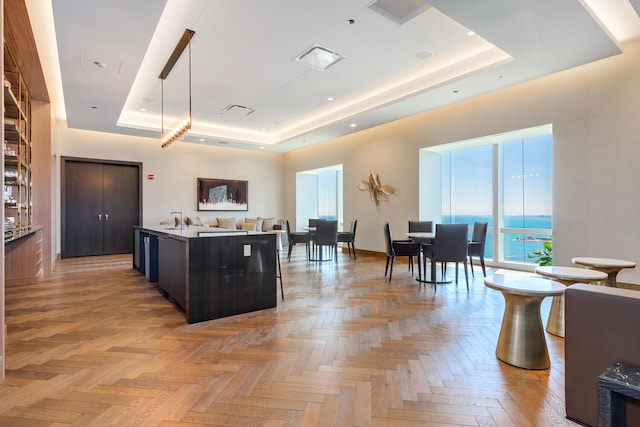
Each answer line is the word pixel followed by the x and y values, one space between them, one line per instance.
pixel 181 221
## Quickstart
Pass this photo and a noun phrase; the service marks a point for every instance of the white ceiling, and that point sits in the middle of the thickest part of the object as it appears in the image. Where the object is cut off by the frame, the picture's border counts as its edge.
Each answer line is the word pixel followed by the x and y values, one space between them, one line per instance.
pixel 111 53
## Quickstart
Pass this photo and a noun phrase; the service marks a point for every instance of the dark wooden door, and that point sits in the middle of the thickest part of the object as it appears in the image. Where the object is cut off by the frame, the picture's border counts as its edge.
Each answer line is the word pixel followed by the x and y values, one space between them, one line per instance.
pixel 121 204
pixel 100 207
pixel 83 200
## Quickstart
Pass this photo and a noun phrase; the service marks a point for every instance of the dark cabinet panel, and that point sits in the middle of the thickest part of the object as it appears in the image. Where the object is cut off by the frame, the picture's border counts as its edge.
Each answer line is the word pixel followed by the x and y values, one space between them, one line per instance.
pixel 177 271
pixel 224 280
pixel 213 277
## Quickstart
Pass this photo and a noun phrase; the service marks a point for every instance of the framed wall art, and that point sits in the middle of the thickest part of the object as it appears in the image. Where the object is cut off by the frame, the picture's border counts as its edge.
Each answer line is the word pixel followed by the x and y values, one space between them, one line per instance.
pixel 222 195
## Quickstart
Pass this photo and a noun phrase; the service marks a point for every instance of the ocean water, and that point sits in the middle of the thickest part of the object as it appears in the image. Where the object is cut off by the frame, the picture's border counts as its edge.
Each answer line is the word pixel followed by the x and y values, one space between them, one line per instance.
pixel 516 246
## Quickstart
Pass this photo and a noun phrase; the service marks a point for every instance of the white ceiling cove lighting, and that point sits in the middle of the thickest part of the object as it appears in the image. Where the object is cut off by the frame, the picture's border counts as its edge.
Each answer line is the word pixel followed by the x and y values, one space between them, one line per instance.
pixel 319 57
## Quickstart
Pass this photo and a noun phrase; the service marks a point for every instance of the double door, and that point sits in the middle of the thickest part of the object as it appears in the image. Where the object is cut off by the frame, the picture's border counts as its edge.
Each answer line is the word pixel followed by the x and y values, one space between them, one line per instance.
pixel 100 206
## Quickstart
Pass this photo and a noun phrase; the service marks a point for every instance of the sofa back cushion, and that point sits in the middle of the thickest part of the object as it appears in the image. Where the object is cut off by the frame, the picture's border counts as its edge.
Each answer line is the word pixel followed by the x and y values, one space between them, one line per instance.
pixel 227 222
pixel 248 226
pixel 267 223
pixel 257 222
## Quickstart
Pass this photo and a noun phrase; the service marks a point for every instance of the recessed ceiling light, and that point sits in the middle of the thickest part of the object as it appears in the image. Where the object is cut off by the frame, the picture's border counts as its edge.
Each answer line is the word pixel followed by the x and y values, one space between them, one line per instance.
pixel 202 139
pixel 94 107
pixel 330 98
pixel 353 125
pixel 262 148
pixel 142 109
pixel 471 33
pixel 318 57
pixel 399 11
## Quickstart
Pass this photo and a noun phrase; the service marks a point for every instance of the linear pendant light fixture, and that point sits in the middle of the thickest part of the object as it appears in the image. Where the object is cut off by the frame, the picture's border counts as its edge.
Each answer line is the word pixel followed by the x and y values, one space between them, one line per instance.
pixel 183 127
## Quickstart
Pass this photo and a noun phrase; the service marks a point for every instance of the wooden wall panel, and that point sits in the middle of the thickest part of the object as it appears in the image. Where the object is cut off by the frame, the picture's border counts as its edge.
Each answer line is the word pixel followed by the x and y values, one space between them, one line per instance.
pixel 21 265
pixel 42 179
pixel 19 37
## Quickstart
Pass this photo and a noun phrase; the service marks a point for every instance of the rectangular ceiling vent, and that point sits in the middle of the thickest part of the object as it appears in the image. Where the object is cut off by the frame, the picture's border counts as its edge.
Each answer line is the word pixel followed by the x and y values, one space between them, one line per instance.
pixel 399 11
pixel 236 110
pixel 318 57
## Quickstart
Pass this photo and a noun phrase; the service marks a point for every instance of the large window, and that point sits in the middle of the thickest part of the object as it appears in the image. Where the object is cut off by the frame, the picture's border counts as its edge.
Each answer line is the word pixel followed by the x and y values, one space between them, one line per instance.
pixel 319 195
pixel 526 177
pixel 467 188
pixel 503 180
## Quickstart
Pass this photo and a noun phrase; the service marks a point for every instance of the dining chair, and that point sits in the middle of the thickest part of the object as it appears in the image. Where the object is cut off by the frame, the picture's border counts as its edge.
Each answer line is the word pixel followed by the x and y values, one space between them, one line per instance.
pixel 397 248
pixel 295 238
pixel 313 226
pixel 476 246
pixel 420 226
pixel 349 237
pixel 449 245
pixel 326 235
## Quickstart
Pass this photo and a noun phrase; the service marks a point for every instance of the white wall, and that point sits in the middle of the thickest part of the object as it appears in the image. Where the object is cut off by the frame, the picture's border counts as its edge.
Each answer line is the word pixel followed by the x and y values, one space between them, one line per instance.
pixel 595 113
pixel 176 169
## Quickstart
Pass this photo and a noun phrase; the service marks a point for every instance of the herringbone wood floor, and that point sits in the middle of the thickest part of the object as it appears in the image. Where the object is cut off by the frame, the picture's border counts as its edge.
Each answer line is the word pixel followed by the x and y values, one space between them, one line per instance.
pixel 97 345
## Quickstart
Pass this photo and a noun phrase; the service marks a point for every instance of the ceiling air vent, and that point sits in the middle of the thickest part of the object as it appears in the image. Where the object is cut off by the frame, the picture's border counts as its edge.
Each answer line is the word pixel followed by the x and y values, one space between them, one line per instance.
pixel 318 57
pixel 236 110
pixel 399 11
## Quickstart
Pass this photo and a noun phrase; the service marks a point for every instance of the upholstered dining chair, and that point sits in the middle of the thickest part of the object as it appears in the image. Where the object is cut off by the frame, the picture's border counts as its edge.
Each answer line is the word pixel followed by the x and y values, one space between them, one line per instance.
pixel 476 246
pixel 420 226
pixel 326 234
pixel 349 237
pixel 397 248
pixel 449 245
pixel 313 222
pixel 313 226
pixel 295 238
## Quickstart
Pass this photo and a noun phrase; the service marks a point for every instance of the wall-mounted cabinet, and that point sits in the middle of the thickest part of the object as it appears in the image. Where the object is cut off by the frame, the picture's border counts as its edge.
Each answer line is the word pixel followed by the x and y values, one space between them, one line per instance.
pixel 17 188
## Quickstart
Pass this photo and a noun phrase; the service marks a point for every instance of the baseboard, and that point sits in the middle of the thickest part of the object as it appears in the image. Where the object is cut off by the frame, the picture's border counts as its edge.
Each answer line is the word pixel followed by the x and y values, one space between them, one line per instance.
pixel 631 286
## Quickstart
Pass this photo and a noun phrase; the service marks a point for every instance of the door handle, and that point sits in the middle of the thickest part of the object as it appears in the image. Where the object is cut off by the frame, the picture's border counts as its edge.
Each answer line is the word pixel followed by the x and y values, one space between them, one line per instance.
pixel 106 217
pixel 99 217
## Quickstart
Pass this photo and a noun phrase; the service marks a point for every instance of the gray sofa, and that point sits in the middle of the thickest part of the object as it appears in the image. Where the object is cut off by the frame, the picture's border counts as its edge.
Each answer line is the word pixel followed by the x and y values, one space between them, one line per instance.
pixel 602 327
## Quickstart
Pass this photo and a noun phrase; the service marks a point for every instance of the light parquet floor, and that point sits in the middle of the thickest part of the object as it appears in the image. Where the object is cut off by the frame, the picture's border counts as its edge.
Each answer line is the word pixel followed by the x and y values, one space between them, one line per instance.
pixel 97 345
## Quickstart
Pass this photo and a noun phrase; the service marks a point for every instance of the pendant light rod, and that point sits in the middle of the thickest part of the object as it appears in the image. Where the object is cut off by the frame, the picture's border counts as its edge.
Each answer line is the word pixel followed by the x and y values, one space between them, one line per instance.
pixel 183 127
pixel 177 52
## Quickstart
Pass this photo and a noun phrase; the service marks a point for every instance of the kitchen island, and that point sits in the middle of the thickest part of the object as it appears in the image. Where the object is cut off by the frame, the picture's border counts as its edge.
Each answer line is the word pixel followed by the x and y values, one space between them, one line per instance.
pixel 209 272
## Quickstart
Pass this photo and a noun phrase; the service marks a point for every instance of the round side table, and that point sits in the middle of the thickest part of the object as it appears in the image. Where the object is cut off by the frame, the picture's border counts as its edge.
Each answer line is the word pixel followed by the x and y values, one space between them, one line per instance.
pixel 567 276
pixel 522 342
pixel 607 265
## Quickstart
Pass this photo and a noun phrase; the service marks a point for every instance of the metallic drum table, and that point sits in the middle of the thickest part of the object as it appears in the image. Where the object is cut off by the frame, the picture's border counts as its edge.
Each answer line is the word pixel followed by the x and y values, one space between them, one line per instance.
pixel 567 276
pixel 606 265
pixel 522 342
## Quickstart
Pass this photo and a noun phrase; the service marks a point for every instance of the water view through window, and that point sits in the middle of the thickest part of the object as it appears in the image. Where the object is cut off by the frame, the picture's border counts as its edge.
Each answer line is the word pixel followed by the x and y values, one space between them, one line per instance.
pixel 506 184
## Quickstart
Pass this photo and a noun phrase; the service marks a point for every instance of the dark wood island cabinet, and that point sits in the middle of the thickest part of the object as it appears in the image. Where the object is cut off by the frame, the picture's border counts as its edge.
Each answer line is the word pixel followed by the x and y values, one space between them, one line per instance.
pixel 210 273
